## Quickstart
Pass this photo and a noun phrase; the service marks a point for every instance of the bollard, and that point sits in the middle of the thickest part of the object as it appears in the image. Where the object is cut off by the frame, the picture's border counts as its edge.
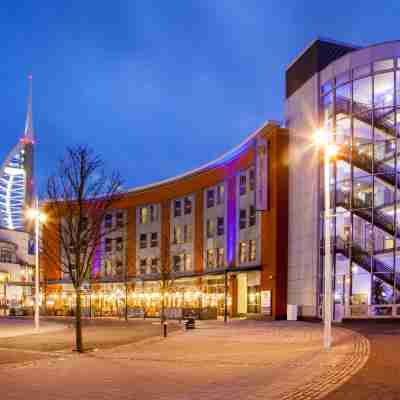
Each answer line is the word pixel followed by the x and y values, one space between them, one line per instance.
pixel 165 327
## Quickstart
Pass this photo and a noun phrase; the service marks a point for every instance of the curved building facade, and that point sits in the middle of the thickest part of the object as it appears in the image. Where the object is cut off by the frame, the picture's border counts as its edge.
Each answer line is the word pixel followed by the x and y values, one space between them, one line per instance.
pixel 221 227
pixel 354 95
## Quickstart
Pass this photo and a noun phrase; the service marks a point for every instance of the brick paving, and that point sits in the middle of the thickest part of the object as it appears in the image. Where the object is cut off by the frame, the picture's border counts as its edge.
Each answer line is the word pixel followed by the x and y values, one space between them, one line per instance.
pixel 379 379
pixel 243 360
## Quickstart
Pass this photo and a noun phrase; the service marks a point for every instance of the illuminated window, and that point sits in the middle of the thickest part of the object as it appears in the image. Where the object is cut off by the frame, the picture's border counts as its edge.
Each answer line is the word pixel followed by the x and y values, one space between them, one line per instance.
pixel 177 208
pixel 143 215
pixel 242 184
pixel 252 216
pixel 220 194
pixel 210 258
pixel 188 262
pixel 220 257
pixel 220 226
pixel 154 239
pixel 188 205
pixel 187 233
pixel 210 198
pixel 242 219
pixel 143 240
pixel 252 250
pixel 242 252
pixel 177 234
pixel 210 228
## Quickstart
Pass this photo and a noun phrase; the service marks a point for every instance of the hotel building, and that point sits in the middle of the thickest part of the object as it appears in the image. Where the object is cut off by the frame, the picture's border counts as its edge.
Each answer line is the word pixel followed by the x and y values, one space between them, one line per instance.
pixel 221 229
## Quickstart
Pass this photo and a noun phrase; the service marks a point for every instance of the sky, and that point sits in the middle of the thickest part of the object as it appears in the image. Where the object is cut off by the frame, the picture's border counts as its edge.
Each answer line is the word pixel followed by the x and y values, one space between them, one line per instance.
pixel 157 88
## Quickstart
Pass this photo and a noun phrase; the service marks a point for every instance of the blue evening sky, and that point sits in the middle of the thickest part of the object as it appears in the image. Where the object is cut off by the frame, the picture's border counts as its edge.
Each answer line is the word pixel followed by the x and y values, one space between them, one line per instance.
pixel 160 87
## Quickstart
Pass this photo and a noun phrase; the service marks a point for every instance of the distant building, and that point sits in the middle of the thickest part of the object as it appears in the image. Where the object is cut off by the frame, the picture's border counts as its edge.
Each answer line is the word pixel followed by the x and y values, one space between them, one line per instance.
pixel 16 195
pixel 16 269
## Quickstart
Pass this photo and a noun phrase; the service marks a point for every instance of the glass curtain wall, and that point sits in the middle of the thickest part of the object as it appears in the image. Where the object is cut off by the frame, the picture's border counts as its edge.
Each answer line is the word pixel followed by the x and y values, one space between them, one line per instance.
pixel 360 110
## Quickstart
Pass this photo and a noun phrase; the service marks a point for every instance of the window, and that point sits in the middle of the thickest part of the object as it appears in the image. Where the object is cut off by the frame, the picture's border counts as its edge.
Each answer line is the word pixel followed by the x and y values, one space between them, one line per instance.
pixel 220 194
pixel 143 265
pixel 220 226
pixel 220 257
pixel 383 64
pixel 210 228
pixel 242 219
pixel 187 233
pixel 210 198
pixel 252 250
pixel 188 206
pixel 153 213
pixel 108 221
pixel 242 252
pixel 154 265
pixel 177 234
pixel 119 244
pixel 143 240
pixel 242 184
pixel 143 215
pixel 188 262
pixel 210 258
pixel 252 179
pixel 84 223
pixel 252 216
pixel 108 245
pixel 176 262
pixel 177 208
pixel 154 239
pixel 120 220
pixel 6 255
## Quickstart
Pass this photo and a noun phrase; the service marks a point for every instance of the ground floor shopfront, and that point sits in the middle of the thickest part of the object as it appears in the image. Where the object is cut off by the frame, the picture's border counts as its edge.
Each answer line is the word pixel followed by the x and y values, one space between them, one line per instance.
pixel 208 296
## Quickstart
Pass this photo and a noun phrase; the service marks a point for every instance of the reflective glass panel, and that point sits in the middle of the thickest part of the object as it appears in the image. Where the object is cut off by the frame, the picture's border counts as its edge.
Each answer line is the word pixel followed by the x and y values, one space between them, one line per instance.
pixel 381 65
pixel 342 78
pixel 361 71
pixel 384 89
pixel 362 94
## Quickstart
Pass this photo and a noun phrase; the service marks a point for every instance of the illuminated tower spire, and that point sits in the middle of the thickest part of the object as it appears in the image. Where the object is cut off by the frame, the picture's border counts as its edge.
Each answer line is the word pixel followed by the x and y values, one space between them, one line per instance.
pixel 28 133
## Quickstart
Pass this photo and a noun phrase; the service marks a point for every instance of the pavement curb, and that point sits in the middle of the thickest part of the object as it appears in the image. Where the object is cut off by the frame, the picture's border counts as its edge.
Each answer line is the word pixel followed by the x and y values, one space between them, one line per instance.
pixel 337 375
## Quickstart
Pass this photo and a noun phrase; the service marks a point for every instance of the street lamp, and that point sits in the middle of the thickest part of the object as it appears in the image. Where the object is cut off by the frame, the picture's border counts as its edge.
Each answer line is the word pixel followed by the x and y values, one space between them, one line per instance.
pixel 330 150
pixel 36 215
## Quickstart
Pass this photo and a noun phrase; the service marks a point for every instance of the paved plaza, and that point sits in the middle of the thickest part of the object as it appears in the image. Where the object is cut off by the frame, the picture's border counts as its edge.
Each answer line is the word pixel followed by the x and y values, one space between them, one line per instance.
pixel 243 360
pixel 380 377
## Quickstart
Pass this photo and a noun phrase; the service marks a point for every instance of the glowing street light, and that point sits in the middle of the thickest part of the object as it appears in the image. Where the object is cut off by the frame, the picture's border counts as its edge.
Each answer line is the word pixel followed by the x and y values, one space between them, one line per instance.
pixel 39 217
pixel 322 140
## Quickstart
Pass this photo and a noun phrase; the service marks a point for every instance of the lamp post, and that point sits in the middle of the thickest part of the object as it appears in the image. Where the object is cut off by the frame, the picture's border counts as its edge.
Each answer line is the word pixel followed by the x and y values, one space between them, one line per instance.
pixel 330 150
pixel 38 217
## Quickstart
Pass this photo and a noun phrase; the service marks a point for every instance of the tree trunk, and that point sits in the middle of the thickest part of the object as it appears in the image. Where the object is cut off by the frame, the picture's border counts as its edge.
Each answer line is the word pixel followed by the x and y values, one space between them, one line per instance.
pixel 126 301
pixel 162 305
pixel 78 322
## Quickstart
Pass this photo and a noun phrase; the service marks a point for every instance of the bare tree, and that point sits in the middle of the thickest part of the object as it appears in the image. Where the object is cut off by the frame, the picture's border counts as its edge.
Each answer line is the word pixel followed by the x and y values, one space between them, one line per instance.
pixel 79 196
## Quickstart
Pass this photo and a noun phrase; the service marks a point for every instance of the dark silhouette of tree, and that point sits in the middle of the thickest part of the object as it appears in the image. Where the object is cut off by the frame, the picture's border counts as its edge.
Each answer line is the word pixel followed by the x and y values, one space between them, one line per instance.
pixel 79 196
